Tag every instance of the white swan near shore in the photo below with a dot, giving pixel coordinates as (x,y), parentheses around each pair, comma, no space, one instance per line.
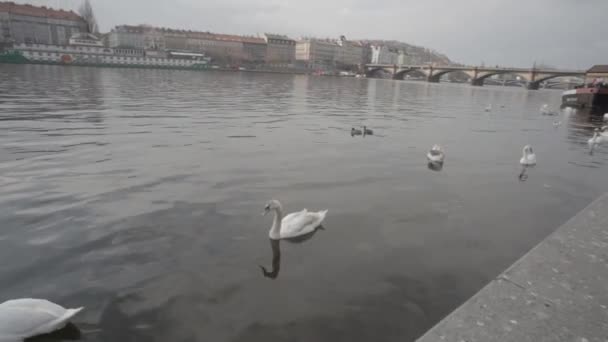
(27,317)
(595,140)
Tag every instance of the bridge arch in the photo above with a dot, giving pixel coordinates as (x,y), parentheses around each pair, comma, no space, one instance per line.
(400,75)
(436,77)
(536,83)
(490,74)
(374,71)
(481,78)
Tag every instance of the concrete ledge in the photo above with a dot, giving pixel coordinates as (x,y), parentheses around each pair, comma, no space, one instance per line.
(556,292)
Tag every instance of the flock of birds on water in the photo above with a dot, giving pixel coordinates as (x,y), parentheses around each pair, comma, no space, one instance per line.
(24,318)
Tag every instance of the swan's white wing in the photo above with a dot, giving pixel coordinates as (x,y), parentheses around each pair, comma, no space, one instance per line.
(300,223)
(434,157)
(292,216)
(296,224)
(528,160)
(19,323)
(525,161)
(24,318)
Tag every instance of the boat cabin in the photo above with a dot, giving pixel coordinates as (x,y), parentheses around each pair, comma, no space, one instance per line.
(597,75)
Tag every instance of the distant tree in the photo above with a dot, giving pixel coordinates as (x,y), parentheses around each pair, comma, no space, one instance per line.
(86,11)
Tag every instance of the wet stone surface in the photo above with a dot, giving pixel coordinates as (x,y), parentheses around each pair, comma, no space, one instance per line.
(556,292)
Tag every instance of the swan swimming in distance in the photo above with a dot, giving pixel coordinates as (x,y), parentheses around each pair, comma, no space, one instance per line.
(436,155)
(528,158)
(595,140)
(294,224)
(489,108)
(27,317)
(544,109)
(527,161)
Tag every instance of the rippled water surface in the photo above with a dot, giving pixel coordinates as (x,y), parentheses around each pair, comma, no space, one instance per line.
(138,193)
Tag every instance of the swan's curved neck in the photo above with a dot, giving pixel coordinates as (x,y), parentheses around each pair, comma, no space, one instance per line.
(275,231)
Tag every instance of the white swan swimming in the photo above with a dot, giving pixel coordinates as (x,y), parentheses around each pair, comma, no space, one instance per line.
(595,140)
(545,110)
(604,132)
(528,158)
(367,131)
(354,131)
(294,224)
(27,317)
(489,108)
(435,155)
(557,124)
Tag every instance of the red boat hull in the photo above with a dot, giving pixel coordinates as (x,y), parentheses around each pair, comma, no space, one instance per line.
(592,99)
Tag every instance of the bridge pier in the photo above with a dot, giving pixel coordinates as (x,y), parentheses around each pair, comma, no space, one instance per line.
(478,82)
(533,86)
(432,79)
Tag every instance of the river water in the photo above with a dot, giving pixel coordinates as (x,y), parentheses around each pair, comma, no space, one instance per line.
(138,193)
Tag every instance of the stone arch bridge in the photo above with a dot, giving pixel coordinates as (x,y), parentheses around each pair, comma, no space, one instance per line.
(534,77)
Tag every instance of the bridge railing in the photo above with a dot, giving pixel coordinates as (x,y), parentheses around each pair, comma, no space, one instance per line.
(472,68)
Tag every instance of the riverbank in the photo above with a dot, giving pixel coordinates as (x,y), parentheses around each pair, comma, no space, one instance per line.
(556,292)
(14,60)
(135,66)
(108,58)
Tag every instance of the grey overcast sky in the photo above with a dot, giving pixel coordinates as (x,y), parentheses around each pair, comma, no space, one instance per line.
(562,33)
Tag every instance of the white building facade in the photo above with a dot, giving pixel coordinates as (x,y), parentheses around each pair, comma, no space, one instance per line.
(381,54)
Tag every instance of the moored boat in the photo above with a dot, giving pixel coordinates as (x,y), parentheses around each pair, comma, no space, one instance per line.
(591,97)
(86,50)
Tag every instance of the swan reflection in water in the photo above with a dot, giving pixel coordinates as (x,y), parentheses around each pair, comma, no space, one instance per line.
(523,175)
(275,245)
(435,166)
